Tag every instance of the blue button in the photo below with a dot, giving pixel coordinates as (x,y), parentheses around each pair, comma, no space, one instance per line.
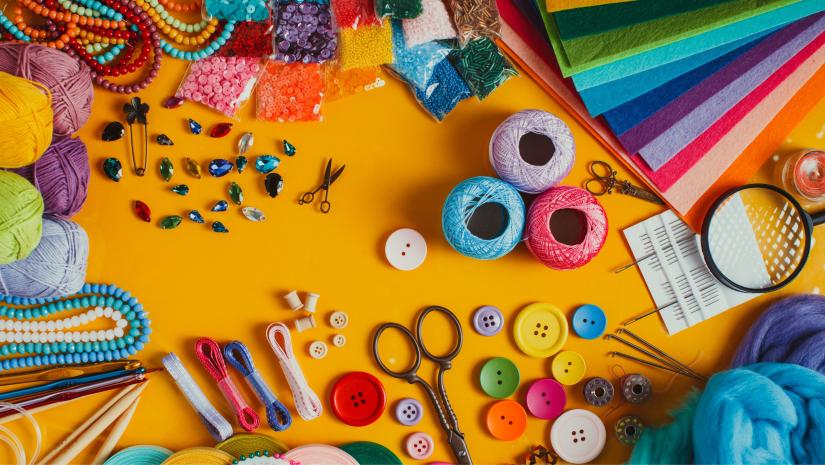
(589,321)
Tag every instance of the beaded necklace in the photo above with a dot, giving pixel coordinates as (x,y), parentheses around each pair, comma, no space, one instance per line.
(29,329)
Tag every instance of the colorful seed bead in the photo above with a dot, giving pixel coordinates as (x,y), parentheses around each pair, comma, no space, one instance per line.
(304,33)
(250,39)
(398,9)
(475,18)
(355,13)
(444,90)
(366,46)
(339,83)
(237,10)
(221,83)
(483,66)
(416,64)
(434,23)
(290,92)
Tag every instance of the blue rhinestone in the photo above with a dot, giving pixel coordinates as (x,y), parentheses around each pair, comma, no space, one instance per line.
(180,189)
(266,163)
(218,227)
(220,167)
(241,162)
(196,216)
(195,127)
(221,206)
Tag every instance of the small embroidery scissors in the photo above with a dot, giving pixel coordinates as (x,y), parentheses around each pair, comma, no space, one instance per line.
(605,176)
(439,400)
(329,178)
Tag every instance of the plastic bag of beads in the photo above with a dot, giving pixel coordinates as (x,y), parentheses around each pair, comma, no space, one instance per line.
(483,66)
(366,46)
(398,9)
(249,39)
(237,10)
(224,84)
(475,18)
(443,91)
(304,32)
(290,92)
(434,23)
(354,13)
(339,83)
(416,64)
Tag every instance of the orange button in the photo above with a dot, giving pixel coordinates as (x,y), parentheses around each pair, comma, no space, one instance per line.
(506,420)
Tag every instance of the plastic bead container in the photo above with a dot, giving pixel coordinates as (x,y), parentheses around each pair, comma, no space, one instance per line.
(443,91)
(221,83)
(339,83)
(366,46)
(434,23)
(290,92)
(483,66)
(416,64)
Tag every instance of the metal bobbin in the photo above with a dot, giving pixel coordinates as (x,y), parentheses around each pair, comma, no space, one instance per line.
(598,392)
(629,429)
(636,388)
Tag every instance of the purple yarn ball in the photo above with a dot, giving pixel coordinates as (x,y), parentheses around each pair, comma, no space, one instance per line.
(791,330)
(62,176)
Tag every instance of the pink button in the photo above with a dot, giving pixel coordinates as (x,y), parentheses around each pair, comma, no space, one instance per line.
(420,446)
(546,398)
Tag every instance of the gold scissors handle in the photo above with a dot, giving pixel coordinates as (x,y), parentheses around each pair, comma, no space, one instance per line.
(605,177)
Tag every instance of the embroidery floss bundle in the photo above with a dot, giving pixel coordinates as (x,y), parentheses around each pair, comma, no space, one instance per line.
(566,227)
(532,150)
(57,266)
(27,120)
(68,80)
(483,218)
(62,176)
(21,221)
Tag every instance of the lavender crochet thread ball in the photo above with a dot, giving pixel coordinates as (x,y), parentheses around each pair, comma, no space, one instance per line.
(62,176)
(69,81)
(791,330)
(57,266)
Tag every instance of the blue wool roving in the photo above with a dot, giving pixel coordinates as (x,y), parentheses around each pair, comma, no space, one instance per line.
(488,197)
(764,413)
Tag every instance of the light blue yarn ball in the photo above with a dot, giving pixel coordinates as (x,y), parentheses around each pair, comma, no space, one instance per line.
(465,200)
(139,455)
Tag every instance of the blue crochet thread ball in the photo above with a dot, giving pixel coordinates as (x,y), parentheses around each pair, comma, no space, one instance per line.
(483,218)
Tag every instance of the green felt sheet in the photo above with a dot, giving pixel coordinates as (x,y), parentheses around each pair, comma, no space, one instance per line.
(595,20)
(600,49)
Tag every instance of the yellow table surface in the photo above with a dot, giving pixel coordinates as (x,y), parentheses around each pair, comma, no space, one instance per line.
(400,167)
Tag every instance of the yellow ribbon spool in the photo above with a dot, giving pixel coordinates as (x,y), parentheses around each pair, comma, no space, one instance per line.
(200,456)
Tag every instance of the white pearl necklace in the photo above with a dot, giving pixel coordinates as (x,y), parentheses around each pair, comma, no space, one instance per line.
(56,330)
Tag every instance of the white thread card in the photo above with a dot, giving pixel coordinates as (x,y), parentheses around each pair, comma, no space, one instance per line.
(675,273)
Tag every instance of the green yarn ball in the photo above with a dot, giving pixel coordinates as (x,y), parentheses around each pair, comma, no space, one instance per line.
(21,217)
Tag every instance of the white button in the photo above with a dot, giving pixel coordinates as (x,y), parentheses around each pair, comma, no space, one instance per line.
(406,249)
(338,320)
(578,436)
(339,340)
(318,350)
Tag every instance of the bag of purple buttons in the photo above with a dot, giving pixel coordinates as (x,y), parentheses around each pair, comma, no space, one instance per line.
(224,84)
(304,32)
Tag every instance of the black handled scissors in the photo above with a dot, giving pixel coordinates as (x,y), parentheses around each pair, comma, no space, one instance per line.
(446,415)
(329,178)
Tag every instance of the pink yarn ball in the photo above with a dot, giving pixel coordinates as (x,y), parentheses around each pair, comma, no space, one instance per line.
(566,227)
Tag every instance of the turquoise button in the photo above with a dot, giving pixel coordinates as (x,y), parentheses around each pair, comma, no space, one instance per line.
(589,321)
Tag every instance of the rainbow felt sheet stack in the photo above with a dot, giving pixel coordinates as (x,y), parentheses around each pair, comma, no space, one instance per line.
(692,95)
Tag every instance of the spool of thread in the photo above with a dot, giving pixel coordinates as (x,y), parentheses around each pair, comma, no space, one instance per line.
(566,227)
(305,323)
(26,119)
(803,173)
(62,176)
(532,150)
(57,267)
(21,217)
(293,300)
(483,218)
(69,81)
(312,301)
(139,455)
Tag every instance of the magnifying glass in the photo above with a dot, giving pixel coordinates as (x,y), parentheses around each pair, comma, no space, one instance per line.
(757,238)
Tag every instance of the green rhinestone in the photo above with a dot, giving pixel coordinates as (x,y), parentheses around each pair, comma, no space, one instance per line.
(113,169)
(167,169)
(236,193)
(180,189)
(170,222)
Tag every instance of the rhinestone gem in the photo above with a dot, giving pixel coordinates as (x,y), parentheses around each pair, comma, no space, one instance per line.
(166,169)
(113,131)
(245,143)
(289,149)
(253,214)
(180,189)
(196,216)
(193,167)
(113,169)
(236,193)
(220,167)
(163,139)
(220,206)
(170,222)
(273,183)
(266,163)
(142,211)
(195,127)
(172,102)
(220,130)
(218,227)
(241,162)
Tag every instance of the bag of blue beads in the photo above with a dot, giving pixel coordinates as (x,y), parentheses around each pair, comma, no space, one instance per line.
(416,64)
(237,10)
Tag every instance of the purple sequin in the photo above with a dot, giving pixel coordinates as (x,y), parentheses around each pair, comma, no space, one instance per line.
(304,33)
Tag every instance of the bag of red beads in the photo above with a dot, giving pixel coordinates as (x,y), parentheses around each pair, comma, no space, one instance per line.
(354,13)
(224,84)
(249,39)
(290,92)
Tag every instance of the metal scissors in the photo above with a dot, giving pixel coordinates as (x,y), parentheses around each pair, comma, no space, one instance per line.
(605,176)
(329,178)
(439,400)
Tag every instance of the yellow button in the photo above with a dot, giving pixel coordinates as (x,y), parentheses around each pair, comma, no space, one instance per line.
(568,367)
(540,330)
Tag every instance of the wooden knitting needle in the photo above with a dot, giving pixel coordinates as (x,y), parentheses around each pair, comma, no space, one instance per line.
(115,434)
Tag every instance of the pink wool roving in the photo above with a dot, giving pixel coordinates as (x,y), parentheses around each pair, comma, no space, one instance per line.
(434,23)
(566,227)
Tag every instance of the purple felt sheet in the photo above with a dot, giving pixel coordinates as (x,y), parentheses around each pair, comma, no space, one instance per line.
(665,133)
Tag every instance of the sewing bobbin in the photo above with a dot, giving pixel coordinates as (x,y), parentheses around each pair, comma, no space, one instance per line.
(312,301)
(305,323)
(636,388)
(598,392)
(629,429)
(293,300)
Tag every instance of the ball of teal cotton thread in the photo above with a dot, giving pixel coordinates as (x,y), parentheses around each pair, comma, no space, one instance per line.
(139,455)
(465,200)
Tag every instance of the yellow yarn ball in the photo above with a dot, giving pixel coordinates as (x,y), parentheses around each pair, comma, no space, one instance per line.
(27,121)
(21,217)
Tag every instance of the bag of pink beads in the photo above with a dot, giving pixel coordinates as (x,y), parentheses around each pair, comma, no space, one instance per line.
(224,84)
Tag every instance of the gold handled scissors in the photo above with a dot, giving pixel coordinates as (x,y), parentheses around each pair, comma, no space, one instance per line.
(604,177)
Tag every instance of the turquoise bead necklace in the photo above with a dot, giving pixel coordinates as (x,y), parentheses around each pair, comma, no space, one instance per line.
(29,328)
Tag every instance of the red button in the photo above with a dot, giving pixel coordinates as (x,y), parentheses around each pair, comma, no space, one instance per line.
(358,398)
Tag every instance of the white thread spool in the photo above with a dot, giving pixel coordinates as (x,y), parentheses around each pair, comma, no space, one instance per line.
(312,301)
(305,323)
(293,300)
(532,150)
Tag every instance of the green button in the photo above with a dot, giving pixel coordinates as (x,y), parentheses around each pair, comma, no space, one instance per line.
(499,377)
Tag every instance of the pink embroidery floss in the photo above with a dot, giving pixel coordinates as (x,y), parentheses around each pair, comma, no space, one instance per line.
(566,227)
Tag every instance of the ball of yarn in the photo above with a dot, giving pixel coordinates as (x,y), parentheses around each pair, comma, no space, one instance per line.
(26,119)
(68,79)
(483,218)
(21,212)
(791,330)
(62,176)
(57,266)
(532,150)
(566,227)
